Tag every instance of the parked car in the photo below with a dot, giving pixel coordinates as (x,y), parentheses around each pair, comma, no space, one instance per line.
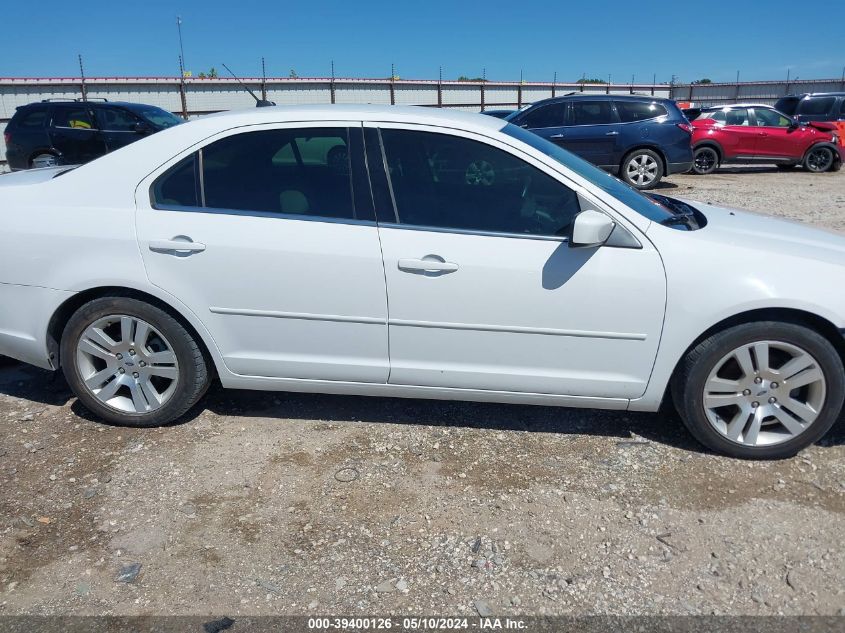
(640,138)
(411,252)
(499,114)
(819,106)
(749,133)
(51,133)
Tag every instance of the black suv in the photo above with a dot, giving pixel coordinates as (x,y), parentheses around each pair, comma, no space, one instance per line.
(818,106)
(72,132)
(640,138)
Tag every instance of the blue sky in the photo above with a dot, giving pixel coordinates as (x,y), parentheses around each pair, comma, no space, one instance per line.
(760,38)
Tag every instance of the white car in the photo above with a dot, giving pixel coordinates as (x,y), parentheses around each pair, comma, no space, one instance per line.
(413,252)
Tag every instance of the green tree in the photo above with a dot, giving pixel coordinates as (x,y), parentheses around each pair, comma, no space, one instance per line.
(293,74)
(705,80)
(593,80)
(473,79)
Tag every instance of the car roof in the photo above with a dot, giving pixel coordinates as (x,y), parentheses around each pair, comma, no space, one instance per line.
(344,112)
(601,97)
(739,105)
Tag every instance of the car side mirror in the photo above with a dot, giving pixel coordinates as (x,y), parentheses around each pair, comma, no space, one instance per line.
(590,229)
(795,124)
(142,128)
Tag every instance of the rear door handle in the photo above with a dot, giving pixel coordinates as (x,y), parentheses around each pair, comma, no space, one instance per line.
(556,136)
(612,134)
(427,265)
(176,245)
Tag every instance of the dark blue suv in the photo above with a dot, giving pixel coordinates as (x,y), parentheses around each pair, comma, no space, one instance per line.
(639,138)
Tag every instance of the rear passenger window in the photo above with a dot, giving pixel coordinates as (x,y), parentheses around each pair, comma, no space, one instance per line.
(74,117)
(178,186)
(291,172)
(816,105)
(630,111)
(32,120)
(591,113)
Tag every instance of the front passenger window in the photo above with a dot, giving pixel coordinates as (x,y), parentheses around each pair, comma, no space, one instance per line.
(447,181)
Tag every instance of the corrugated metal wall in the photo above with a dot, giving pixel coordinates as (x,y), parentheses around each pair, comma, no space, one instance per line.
(202,96)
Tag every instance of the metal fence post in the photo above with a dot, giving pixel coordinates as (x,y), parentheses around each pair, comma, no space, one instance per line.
(440,88)
(331,85)
(554,85)
(392,80)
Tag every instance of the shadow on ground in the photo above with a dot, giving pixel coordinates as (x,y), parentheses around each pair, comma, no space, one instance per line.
(39,386)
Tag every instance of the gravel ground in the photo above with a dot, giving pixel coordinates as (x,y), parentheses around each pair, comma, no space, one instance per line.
(266,503)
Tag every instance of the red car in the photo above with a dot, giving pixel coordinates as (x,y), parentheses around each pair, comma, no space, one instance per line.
(753,133)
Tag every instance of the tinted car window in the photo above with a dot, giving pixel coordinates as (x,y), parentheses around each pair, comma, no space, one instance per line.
(451,182)
(816,105)
(116,120)
(157,116)
(74,117)
(297,172)
(630,111)
(551,115)
(842,107)
(591,112)
(736,116)
(178,186)
(787,105)
(770,118)
(32,119)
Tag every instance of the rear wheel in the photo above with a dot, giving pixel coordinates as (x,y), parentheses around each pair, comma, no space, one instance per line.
(44,160)
(642,168)
(819,159)
(705,160)
(131,363)
(760,390)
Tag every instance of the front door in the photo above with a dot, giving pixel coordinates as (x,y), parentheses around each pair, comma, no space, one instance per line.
(484,291)
(119,127)
(270,240)
(777,137)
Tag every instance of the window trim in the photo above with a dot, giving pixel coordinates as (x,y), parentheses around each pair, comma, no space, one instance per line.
(197,150)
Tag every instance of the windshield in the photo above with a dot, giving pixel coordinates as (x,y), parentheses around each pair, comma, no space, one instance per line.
(157,116)
(626,194)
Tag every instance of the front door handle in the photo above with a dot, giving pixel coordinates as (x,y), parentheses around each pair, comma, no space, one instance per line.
(556,136)
(612,134)
(179,244)
(427,265)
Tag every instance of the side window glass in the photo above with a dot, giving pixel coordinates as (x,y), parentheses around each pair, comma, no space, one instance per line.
(770,118)
(815,106)
(178,186)
(591,112)
(291,171)
(736,116)
(630,111)
(447,181)
(74,117)
(116,120)
(552,115)
(842,107)
(33,119)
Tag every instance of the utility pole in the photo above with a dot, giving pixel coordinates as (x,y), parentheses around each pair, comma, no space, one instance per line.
(440,88)
(181,49)
(263,81)
(483,81)
(392,88)
(82,78)
(554,85)
(331,85)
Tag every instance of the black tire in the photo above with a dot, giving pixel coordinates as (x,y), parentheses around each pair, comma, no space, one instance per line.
(705,160)
(652,158)
(819,159)
(193,374)
(693,371)
(40,157)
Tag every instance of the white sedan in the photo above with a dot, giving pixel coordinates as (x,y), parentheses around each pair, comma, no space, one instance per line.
(419,253)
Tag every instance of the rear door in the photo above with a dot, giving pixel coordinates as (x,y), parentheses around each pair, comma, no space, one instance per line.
(777,137)
(738,137)
(117,126)
(75,134)
(592,131)
(264,236)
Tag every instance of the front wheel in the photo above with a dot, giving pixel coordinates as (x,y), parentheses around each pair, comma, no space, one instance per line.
(705,161)
(131,363)
(819,159)
(642,168)
(760,390)
(44,160)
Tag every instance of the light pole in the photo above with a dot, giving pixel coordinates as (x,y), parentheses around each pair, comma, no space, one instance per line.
(181,49)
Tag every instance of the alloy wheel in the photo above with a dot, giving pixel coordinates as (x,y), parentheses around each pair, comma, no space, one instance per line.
(764,393)
(819,159)
(45,160)
(642,170)
(127,364)
(705,160)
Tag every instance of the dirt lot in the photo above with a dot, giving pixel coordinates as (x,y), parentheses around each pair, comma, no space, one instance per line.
(267,503)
